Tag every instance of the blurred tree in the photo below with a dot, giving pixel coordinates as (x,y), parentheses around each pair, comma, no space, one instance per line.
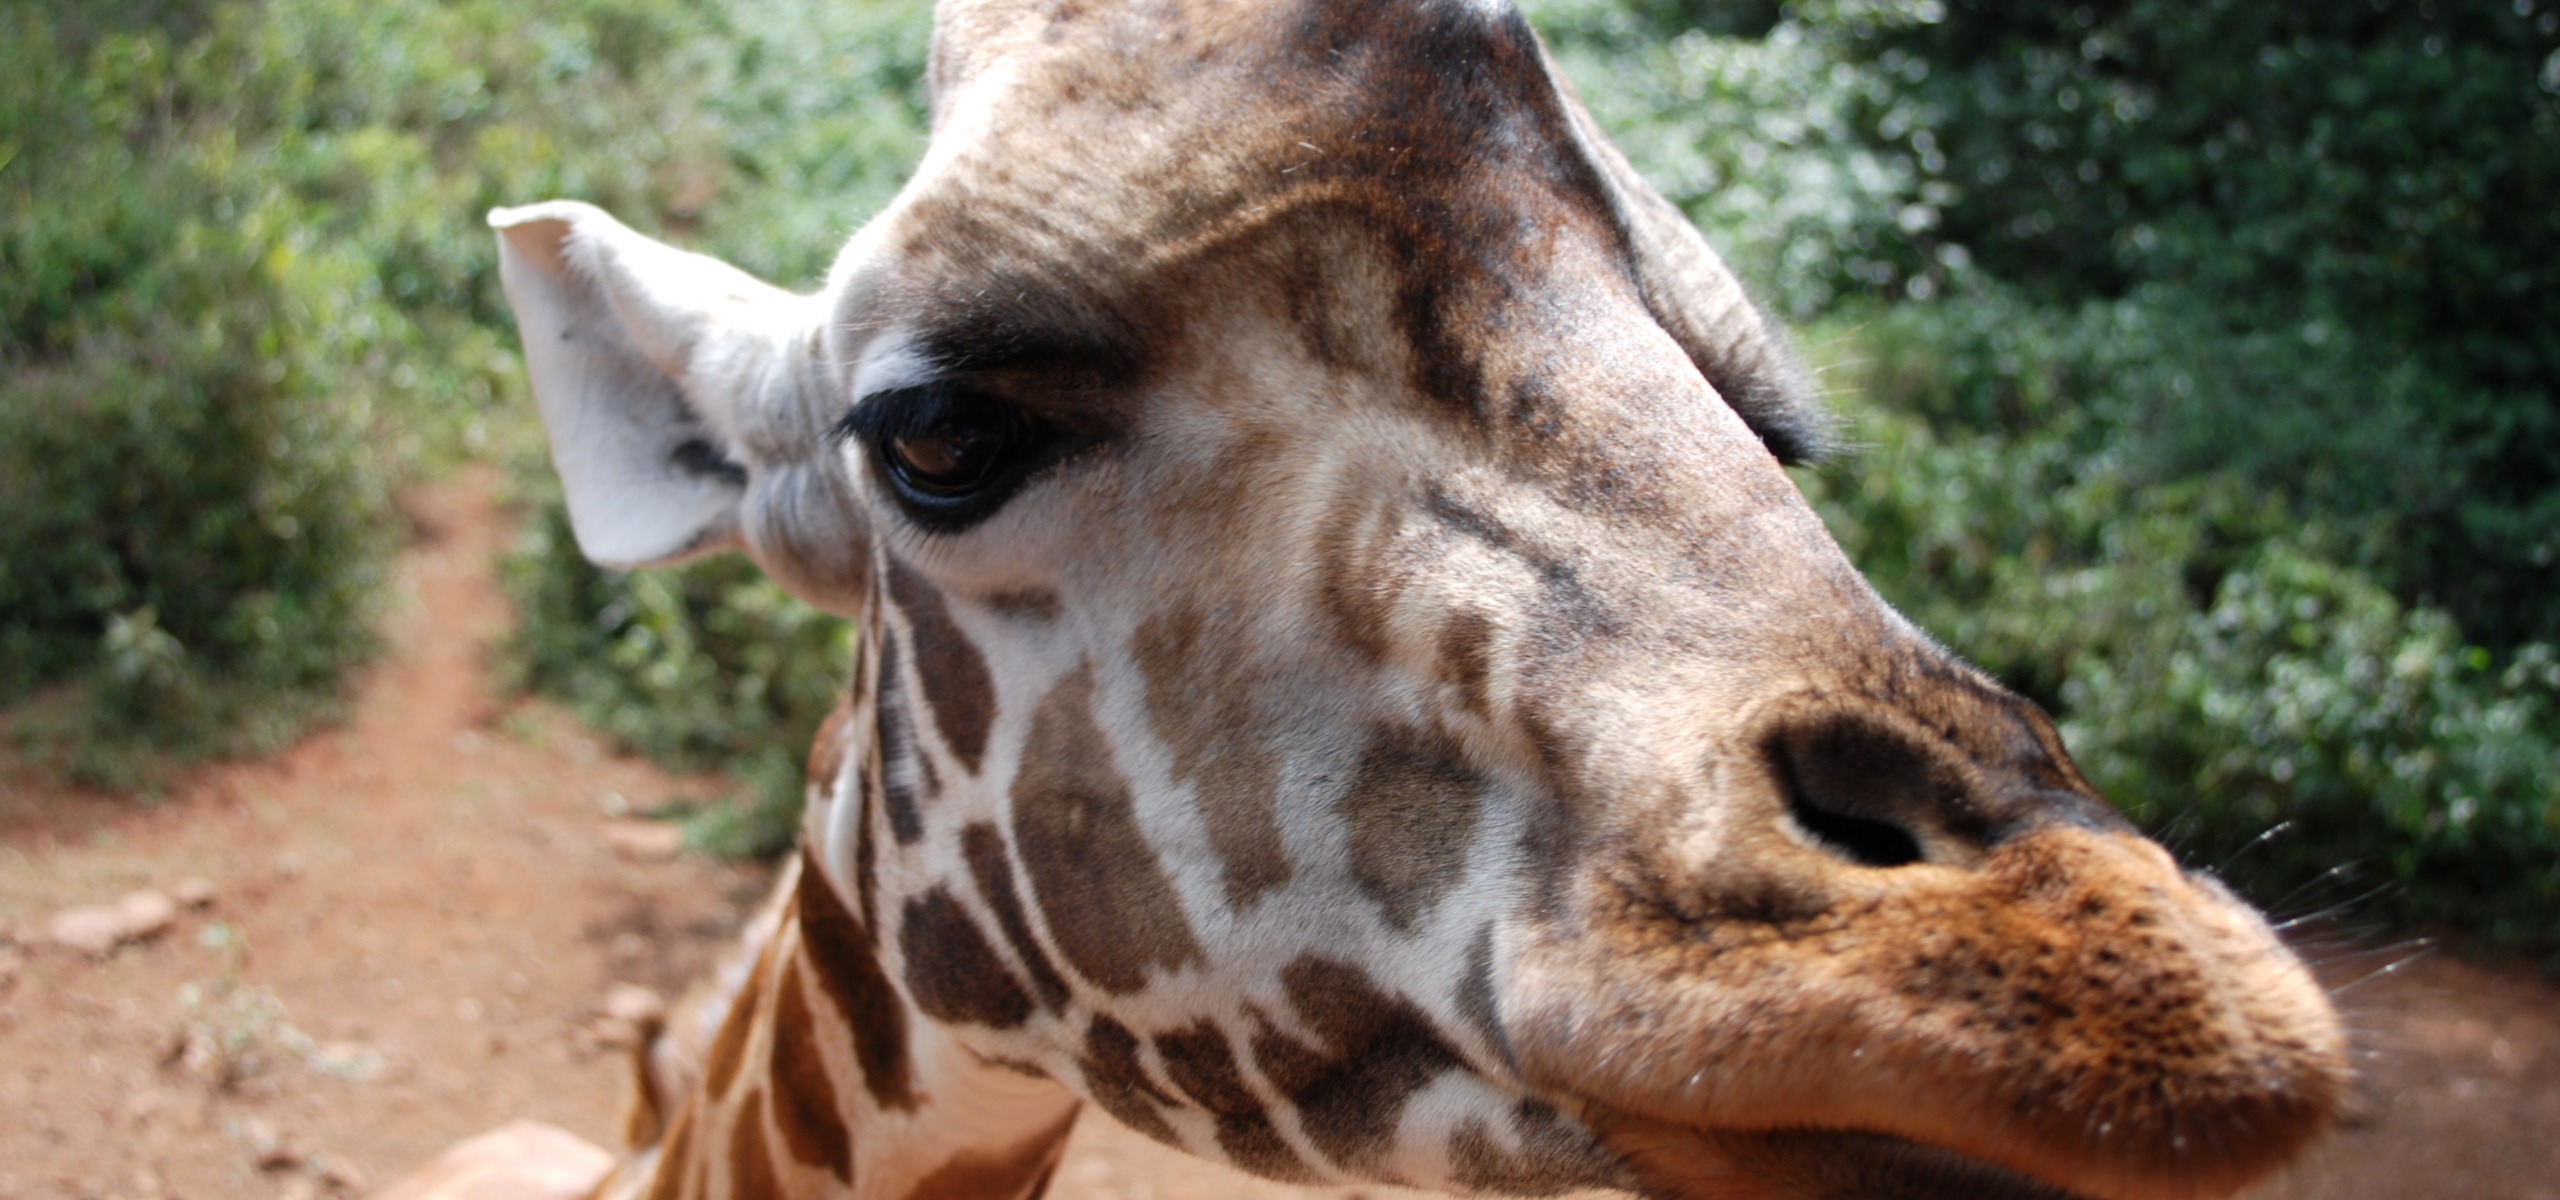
(2380,179)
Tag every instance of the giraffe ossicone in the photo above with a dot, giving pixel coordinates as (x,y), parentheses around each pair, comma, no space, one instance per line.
(1346,685)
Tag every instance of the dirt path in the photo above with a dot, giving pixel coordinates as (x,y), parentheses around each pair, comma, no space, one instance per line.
(416,919)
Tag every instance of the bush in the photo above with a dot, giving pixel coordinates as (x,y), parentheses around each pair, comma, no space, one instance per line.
(243,288)
(2380,181)
(704,666)
(189,527)
(819,113)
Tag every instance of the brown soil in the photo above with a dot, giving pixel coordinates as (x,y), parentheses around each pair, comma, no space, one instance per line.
(416,918)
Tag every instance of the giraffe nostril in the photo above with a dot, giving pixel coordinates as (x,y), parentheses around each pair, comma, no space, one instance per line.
(1865,840)
(1858,789)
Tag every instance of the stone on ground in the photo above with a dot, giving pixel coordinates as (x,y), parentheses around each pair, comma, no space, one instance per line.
(521,1160)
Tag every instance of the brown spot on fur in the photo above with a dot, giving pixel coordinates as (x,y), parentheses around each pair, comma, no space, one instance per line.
(984,848)
(866,854)
(1200,710)
(1412,813)
(675,1158)
(1027,604)
(1344,578)
(956,681)
(1017,1172)
(952,972)
(1110,905)
(804,1098)
(1326,273)
(837,946)
(1553,1156)
(1466,660)
(1377,1051)
(1202,1062)
(729,1046)
(1117,1081)
(751,1171)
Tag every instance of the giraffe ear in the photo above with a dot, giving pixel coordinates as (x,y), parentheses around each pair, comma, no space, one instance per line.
(654,369)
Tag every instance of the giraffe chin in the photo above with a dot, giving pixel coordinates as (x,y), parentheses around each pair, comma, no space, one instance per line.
(1672,1163)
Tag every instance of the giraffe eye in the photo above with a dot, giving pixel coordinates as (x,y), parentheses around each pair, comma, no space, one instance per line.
(952,458)
(951,455)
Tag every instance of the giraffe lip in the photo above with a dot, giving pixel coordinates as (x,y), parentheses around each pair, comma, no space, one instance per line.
(1829,1164)
(1890,1166)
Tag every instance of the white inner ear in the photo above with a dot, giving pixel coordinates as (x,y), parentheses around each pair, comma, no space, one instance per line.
(613,327)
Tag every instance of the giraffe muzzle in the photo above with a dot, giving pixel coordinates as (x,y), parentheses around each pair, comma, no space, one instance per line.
(2070,1016)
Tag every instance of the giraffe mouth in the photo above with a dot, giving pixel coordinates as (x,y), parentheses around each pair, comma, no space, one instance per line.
(1816,1164)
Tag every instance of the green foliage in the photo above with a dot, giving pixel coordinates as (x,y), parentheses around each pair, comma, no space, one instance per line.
(241,288)
(707,665)
(185,526)
(818,110)
(243,284)
(2380,180)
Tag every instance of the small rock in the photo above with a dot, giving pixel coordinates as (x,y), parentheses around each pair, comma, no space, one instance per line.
(299,1187)
(342,1176)
(143,1105)
(145,915)
(268,1145)
(92,930)
(97,929)
(643,841)
(634,1003)
(11,964)
(195,891)
(352,1061)
(537,1161)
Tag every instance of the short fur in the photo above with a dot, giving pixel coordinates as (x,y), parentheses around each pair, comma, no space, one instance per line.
(1407,728)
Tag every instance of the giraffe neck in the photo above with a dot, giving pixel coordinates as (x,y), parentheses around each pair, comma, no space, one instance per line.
(757,1091)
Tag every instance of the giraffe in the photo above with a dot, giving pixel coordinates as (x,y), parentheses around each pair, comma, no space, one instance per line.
(1346,685)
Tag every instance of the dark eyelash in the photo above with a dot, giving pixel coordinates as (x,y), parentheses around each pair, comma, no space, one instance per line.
(903,412)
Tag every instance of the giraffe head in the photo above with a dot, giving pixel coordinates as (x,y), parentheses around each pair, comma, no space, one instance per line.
(1348,684)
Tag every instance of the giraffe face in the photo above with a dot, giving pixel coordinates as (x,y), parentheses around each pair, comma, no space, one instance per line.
(1349,686)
